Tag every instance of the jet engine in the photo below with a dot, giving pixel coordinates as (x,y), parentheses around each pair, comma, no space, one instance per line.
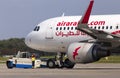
(86,52)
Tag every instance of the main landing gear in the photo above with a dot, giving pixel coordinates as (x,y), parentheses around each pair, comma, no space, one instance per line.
(60,61)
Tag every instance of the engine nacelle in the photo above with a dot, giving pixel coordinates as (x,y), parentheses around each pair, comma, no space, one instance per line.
(86,52)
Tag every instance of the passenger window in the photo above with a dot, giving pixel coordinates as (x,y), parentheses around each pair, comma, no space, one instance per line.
(64,28)
(60,28)
(117,27)
(68,28)
(95,27)
(99,27)
(102,27)
(75,28)
(110,27)
(71,28)
(57,28)
(106,27)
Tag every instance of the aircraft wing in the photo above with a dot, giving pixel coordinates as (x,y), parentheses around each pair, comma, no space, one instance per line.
(99,35)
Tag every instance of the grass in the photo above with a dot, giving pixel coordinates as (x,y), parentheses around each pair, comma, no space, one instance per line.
(3,59)
(110,59)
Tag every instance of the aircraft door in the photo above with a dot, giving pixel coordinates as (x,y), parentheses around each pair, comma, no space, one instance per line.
(49,33)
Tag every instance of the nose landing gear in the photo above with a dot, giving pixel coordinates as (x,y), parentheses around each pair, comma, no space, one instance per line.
(60,61)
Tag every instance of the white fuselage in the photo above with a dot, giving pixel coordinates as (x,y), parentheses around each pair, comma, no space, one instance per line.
(56,34)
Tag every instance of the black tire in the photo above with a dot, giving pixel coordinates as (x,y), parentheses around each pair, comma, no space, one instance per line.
(9,64)
(51,63)
(69,64)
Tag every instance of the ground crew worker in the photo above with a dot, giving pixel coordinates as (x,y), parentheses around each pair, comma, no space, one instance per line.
(33,60)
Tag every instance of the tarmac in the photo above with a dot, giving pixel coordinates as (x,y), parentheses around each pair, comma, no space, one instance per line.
(93,70)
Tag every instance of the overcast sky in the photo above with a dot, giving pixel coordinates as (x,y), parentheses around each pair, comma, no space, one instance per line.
(19,17)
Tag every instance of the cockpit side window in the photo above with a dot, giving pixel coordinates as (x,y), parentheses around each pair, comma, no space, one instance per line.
(37,28)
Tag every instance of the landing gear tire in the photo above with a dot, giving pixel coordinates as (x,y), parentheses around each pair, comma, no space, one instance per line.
(9,64)
(51,63)
(69,64)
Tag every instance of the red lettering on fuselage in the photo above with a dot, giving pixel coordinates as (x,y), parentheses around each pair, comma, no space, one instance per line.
(63,23)
(95,23)
(69,33)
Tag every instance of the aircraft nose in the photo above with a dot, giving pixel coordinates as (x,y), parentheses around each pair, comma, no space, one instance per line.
(33,39)
(28,40)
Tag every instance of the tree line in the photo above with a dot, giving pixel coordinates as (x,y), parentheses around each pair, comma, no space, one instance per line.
(13,45)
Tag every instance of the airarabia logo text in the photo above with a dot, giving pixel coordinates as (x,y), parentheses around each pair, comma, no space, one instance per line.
(92,23)
(63,23)
(97,23)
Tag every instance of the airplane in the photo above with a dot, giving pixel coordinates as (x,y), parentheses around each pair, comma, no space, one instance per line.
(83,39)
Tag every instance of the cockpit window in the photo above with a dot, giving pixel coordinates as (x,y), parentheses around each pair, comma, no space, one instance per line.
(36,28)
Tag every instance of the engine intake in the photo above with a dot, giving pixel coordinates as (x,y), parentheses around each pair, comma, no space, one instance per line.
(86,52)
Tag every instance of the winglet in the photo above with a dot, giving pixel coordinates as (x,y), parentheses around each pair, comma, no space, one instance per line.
(85,17)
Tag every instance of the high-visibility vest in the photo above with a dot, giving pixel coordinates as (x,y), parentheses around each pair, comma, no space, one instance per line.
(33,58)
